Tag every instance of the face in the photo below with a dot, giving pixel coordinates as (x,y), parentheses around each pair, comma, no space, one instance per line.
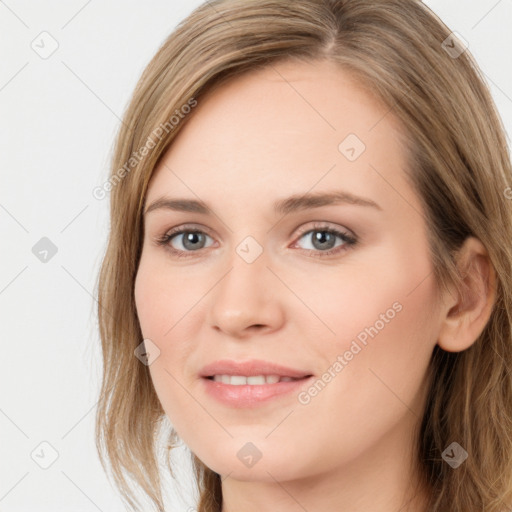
(337,287)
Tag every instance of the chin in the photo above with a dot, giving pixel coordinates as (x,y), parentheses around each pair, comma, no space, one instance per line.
(268,465)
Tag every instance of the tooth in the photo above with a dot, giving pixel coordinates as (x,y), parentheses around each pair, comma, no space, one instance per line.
(257,379)
(238,380)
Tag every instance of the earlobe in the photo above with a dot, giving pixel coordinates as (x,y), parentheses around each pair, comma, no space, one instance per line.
(466,316)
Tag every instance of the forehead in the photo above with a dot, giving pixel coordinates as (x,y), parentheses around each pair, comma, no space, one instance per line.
(291,127)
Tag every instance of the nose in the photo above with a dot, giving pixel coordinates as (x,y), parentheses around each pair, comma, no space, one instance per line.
(247,299)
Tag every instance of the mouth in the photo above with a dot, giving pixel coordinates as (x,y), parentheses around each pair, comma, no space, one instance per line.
(251,383)
(251,370)
(253,380)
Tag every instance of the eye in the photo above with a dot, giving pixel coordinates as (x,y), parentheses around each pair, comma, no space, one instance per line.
(323,240)
(183,241)
(186,240)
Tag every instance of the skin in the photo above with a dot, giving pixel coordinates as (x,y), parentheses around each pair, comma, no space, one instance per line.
(262,137)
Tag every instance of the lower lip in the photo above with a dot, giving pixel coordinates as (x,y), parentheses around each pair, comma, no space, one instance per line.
(247,395)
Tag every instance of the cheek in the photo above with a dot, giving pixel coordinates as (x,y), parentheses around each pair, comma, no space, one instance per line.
(162,297)
(367,303)
(377,369)
(385,331)
(384,347)
(147,295)
(387,300)
(167,316)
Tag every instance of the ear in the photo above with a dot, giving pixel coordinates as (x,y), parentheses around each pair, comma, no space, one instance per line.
(465,317)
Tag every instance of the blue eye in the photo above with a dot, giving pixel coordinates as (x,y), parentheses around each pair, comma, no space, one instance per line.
(324,238)
(192,240)
(323,241)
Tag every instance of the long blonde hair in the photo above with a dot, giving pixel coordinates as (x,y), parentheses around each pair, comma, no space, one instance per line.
(399,51)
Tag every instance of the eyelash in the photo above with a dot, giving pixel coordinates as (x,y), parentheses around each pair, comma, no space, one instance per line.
(349,241)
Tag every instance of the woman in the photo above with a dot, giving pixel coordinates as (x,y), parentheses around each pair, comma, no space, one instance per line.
(340,337)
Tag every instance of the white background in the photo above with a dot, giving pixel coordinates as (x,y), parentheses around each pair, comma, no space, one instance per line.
(58,119)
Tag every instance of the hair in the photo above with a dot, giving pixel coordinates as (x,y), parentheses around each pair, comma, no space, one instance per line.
(459,166)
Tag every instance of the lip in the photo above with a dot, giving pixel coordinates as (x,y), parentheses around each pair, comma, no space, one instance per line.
(250,368)
(244,396)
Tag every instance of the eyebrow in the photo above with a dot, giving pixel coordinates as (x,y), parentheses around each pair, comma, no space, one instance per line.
(282,206)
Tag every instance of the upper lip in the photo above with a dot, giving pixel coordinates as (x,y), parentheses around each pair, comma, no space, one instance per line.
(250,368)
